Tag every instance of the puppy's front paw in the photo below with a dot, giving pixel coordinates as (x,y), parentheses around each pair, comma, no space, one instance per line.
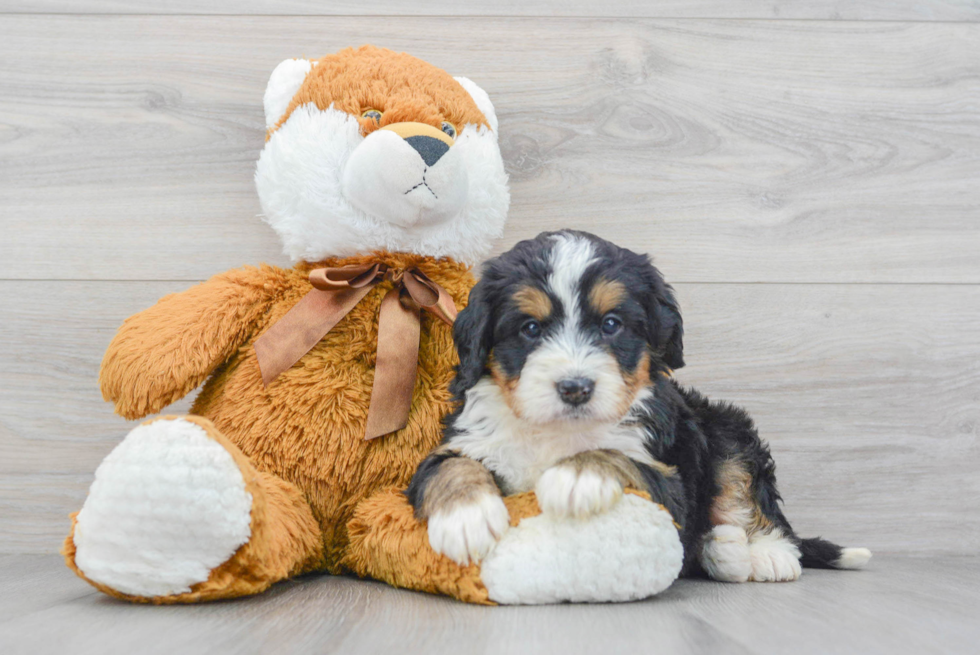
(467,532)
(564,491)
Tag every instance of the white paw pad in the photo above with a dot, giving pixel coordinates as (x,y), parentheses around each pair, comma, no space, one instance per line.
(466,533)
(564,492)
(725,555)
(168,505)
(774,559)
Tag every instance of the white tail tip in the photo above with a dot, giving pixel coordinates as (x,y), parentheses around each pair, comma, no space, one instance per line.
(853,558)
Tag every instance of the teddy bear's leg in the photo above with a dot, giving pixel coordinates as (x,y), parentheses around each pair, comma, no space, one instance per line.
(629,552)
(178,514)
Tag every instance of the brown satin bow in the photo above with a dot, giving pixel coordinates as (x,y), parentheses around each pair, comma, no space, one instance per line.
(336,291)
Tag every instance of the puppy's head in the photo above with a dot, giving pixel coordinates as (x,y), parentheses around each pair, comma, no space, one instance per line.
(570,327)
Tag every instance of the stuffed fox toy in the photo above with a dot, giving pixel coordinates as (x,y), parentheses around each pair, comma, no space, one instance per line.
(324,384)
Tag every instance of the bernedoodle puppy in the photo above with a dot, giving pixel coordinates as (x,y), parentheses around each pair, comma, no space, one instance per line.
(564,387)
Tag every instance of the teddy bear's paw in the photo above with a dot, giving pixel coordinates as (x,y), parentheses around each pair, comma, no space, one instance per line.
(630,552)
(468,532)
(168,505)
(774,558)
(564,492)
(725,555)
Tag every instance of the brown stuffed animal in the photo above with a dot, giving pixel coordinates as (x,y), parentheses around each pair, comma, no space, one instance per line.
(380,173)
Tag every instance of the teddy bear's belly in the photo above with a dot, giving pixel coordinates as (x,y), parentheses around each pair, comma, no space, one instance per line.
(308,426)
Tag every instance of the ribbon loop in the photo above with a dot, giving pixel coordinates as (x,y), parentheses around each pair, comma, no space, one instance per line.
(335,293)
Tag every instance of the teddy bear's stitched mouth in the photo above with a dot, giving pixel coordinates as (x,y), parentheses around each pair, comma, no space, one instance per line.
(425,184)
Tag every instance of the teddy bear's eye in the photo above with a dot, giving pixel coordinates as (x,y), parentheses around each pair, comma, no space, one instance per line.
(373,114)
(449,129)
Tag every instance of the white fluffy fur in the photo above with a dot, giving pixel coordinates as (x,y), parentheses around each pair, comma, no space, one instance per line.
(519,451)
(385,176)
(729,555)
(566,493)
(467,532)
(326,197)
(774,558)
(284,82)
(569,259)
(631,552)
(725,554)
(853,558)
(168,505)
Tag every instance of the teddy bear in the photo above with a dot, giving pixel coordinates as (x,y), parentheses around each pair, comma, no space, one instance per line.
(324,385)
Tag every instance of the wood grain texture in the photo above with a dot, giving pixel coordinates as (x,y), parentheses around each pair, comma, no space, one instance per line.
(869,395)
(921,10)
(899,606)
(748,151)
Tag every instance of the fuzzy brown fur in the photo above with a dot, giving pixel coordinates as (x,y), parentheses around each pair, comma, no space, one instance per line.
(402,87)
(300,442)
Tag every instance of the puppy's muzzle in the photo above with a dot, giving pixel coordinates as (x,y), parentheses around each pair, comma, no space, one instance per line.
(575,391)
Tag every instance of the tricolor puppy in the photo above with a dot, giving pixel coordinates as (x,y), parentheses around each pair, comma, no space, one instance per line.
(564,387)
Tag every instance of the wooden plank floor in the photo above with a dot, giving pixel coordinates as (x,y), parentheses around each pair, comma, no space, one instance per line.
(807,173)
(898,606)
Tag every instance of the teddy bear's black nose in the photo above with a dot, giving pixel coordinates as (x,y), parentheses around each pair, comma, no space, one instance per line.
(430,149)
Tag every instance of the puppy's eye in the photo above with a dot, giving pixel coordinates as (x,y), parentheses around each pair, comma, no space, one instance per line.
(531,329)
(611,325)
(449,129)
(373,114)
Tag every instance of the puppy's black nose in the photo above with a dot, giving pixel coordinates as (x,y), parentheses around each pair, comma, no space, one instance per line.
(575,391)
(429,148)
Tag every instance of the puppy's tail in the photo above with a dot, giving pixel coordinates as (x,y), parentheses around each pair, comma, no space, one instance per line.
(821,554)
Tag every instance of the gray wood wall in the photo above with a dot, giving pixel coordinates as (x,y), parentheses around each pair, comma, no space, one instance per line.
(807,174)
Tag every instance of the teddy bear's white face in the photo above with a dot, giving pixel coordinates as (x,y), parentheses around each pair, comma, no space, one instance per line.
(330,191)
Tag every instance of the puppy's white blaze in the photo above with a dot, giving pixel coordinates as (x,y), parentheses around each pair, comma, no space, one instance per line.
(570,257)
(519,451)
(466,533)
(774,558)
(563,492)
(853,558)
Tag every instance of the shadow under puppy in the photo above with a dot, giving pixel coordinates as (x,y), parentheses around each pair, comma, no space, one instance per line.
(564,387)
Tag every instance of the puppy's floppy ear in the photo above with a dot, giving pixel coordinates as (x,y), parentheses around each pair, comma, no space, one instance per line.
(473,335)
(671,329)
(666,327)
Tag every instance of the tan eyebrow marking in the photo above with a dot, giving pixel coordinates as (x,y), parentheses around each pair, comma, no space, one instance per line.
(534,302)
(606,295)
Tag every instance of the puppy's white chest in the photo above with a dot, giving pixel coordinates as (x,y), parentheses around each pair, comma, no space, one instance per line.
(518,452)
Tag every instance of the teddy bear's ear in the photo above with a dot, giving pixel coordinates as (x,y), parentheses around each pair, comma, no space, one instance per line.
(283,85)
(481,98)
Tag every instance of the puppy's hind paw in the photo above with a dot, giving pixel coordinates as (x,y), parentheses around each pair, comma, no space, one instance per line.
(725,555)
(774,559)
(467,532)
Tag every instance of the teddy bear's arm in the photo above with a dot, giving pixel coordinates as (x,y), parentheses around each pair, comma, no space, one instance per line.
(162,353)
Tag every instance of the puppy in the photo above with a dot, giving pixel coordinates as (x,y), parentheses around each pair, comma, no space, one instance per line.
(564,387)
